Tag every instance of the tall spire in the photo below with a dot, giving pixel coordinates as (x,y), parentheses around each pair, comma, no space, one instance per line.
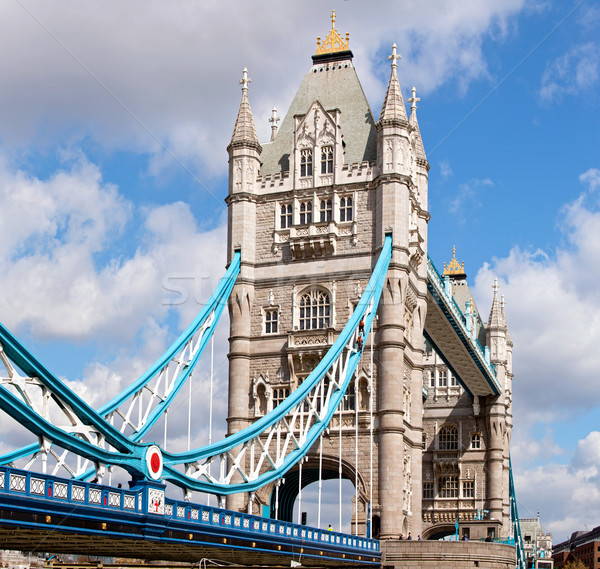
(393,111)
(496,319)
(412,121)
(244,131)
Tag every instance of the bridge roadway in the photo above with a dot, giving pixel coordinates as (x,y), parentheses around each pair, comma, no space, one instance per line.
(41,513)
(451,333)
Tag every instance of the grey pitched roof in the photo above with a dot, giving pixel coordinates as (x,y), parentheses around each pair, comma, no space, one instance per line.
(393,110)
(244,131)
(336,86)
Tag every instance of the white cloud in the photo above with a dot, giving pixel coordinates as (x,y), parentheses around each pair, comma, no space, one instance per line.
(167,74)
(571,73)
(553,308)
(553,311)
(567,495)
(51,235)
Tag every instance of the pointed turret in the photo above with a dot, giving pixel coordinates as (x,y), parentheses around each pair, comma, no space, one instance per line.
(244,131)
(393,112)
(496,330)
(412,121)
(496,319)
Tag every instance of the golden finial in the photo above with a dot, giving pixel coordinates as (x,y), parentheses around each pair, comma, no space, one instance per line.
(333,42)
(453,268)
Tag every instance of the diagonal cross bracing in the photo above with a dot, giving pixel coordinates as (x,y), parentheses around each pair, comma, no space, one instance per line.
(446,328)
(284,436)
(53,412)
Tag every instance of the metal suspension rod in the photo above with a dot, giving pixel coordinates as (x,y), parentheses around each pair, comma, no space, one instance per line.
(371,437)
(320,479)
(356,451)
(300,492)
(340,467)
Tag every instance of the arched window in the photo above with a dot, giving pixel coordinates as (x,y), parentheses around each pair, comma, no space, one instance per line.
(349,398)
(279,395)
(326,210)
(315,310)
(306,162)
(327,160)
(448,438)
(305,213)
(286,216)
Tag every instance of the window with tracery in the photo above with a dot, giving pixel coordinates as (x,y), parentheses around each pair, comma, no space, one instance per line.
(349,399)
(305,213)
(346,209)
(428,490)
(443,378)
(326,210)
(468,489)
(279,395)
(448,438)
(306,162)
(271,321)
(476,440)
(286,216)
(327,160)
(448,487)
(315,310)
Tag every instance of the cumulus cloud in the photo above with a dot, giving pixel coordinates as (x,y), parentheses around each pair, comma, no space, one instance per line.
(51,235)
(553,305)
(553,308)
(65,282)
(572,73)
(567,494)
(166,76)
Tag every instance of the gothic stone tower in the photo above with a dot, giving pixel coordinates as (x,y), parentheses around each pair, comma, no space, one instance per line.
(465,438)
(309,211)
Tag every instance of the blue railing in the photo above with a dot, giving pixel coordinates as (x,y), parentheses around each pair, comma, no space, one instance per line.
(38,487)
(460,320)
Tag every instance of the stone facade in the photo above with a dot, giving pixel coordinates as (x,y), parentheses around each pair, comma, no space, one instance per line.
(464,478)
(309,212)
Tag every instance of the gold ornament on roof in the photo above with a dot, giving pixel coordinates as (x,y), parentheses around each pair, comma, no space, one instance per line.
(333,42)
(454,268)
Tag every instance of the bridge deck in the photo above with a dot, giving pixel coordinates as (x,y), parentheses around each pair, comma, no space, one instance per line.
(50,514)
(446,328)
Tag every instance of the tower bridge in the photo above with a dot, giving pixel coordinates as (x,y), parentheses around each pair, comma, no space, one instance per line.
(350,356)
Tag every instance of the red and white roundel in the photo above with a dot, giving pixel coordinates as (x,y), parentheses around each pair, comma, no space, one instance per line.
(154,462)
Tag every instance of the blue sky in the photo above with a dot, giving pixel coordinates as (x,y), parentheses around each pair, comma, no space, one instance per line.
(113,169)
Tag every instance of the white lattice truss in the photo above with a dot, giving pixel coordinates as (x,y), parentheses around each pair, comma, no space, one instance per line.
(273,450)
(132,413)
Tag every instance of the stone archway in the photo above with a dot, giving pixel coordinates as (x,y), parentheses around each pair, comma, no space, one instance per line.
(288,492)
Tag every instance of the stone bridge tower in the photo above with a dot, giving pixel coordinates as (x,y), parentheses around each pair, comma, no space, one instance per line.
(309,211)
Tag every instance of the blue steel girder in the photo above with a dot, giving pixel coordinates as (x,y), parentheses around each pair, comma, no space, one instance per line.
(268,448)
(37,399)
(446,329)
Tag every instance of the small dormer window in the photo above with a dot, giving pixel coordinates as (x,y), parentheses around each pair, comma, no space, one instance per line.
(326,210)
(346,209)
(327,160)
(306,162)
(286,216)
(305,213)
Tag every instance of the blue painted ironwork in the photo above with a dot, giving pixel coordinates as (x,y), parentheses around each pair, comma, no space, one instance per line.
(267,449)
(516,524)
(458,321)
(172,370)
(84,507)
